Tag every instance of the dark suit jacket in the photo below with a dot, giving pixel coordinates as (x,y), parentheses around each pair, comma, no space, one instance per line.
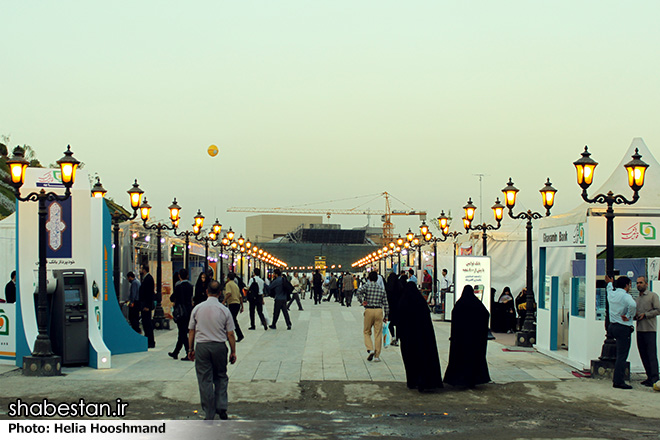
(183,293)
(10,292)
(147,294)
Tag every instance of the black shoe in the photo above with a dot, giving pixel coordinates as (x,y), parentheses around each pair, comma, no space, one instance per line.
(647,383)
(288,327)
(223,414)
(240,339)
(273,327)
(623,386)
(300,310)
(370,357)
(252,328)
(265,328)
(185,358)
(151,345)
(173,355)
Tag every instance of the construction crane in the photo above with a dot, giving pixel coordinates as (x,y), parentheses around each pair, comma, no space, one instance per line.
(386,215)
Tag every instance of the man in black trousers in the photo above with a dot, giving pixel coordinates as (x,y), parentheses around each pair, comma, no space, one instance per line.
(182,301)
(147,295)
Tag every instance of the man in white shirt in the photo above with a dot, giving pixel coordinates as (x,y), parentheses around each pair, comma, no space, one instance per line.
(622,311)
(211,326)
(295,296)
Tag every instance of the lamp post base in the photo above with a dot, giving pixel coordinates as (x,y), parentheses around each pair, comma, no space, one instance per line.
(40,366)
(160,322)
(604,369)
(525,338)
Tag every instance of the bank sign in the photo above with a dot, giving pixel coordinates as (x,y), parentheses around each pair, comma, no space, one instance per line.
(636,231)
(569,235)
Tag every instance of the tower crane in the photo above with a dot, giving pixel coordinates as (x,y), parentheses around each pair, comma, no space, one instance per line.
(386,215)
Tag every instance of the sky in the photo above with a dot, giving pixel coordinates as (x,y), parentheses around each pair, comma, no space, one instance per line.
(315,101)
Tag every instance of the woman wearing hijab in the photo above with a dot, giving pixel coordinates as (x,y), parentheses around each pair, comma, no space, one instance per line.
(393,296)
(467,365)
(200,289)
(417,338)
(507,311)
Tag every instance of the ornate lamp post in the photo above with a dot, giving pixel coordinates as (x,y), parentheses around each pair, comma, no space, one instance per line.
(159,319)
(498,211)
(196,229)
(135,194)
(585,167)
(42,361)
(527,337)
(211,237)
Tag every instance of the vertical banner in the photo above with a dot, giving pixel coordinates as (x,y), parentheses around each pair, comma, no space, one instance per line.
(58,227)
(474,271)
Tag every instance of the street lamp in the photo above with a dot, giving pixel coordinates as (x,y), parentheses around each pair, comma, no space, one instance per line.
(526,337)
(636,168)
(443,225)
(42,362)
(145,211)
(498,211)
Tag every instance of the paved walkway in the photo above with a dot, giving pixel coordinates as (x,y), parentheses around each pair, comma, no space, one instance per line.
(325,344)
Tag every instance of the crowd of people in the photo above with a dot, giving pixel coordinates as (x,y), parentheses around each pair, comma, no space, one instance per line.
(206,315)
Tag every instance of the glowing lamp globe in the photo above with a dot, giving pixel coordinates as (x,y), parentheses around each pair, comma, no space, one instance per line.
(213,150)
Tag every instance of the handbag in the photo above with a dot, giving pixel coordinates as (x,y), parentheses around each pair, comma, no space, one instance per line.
(179,312)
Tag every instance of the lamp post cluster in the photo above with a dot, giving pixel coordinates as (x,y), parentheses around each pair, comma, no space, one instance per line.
(636,171)
(42,362)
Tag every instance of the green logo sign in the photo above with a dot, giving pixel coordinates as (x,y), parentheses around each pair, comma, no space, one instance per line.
(4,323)
(647,230)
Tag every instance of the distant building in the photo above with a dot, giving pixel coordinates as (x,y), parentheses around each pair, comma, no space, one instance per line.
(267,227)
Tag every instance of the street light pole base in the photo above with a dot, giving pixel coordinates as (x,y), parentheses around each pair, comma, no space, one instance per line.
(604,369)
(41,366)
(525,338)
(159,320)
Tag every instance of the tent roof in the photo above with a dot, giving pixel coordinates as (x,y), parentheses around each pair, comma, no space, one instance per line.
(649,200)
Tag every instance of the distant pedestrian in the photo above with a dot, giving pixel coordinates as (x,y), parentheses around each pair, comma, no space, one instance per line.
(373,298)
(255,297)
(147,299)
(200,289)
(427,283)
(134,302)
(317,285)
(295,296)
(467,365)
(347,287)
(648,307)
(304,285)
(277,291)
(332,288)
(10,289)
(445,285)
(182,305)
(419,350)
(412,278)
(622,313)
(211,326)
(234,301)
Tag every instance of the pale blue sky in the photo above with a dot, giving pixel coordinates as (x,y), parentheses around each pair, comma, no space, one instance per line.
(319,100)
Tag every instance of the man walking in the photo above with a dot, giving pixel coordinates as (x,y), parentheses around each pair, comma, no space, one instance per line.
(372,296)
(182,300)
(234,301)
(211,326)
(347,287)
(278,292)
(147,288)
(134,301)
(295,296)
(648,307)
(256,298)
(317,286)
(622,312)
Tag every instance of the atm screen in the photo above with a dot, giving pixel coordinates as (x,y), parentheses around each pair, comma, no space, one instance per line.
(72,296)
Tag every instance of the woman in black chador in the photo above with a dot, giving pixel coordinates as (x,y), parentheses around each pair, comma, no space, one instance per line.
(467,365)
(417,338)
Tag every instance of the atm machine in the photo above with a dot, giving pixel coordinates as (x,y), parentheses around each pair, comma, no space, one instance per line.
(69,315)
